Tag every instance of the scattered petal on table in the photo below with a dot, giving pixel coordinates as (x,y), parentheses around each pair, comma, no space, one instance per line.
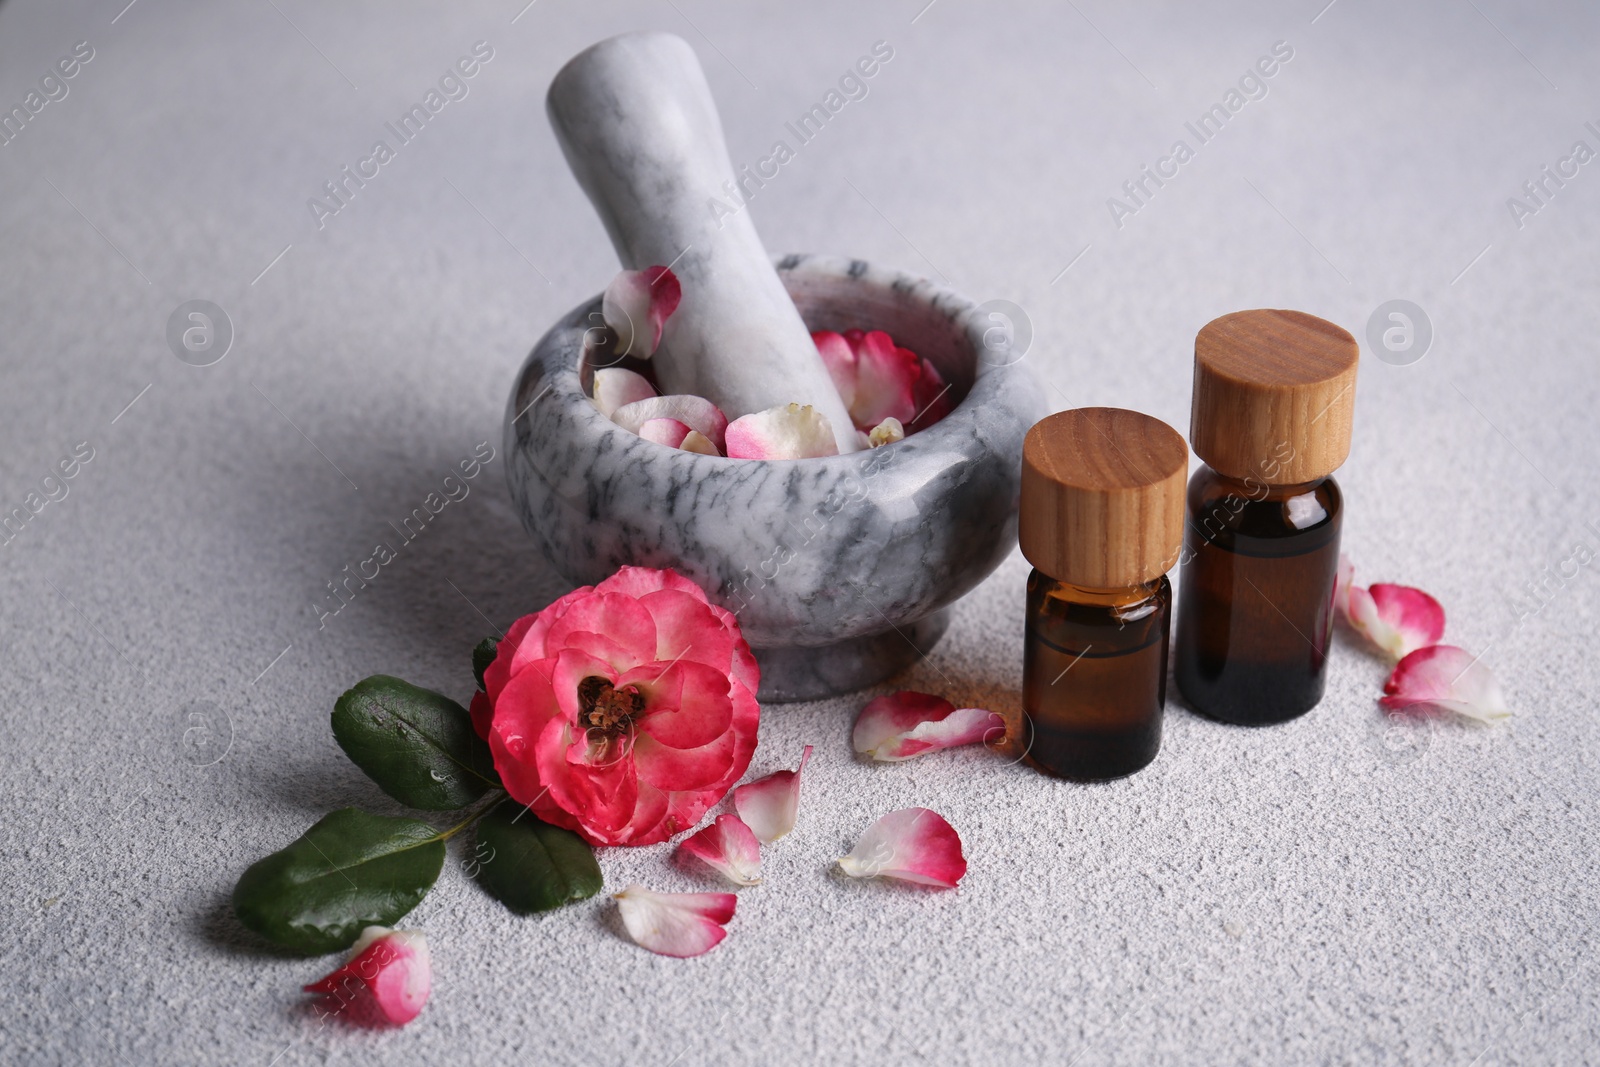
(769,805)
(1448,677)
(1396,618)
(675,924)
(730,848)
(386,981)
(901,725)
(912,845)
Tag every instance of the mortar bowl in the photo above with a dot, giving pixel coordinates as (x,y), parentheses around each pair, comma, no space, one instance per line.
(841,570)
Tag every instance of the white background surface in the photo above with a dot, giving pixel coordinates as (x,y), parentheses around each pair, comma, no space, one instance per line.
(1334,890)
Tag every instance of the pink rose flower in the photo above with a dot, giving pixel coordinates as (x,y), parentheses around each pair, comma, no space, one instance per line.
(624,710)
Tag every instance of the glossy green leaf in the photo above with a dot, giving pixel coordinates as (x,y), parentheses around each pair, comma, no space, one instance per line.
(418,745)
(529,865)
(349,871)
(482,656)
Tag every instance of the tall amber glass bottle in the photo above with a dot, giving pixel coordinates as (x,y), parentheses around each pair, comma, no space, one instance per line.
(1101,521)
(1274,393)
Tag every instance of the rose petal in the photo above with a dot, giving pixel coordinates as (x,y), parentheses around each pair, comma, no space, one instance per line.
(387,979)
(1396,618)
(675,924)
(730,848)
(614,387)
(932,398)
(695,441)
(788,431)
(886,380)
(481,711)
(886,432)
(912,845)
(769,805)
(905,724)
(839,356)
(669,432)
(686,703)
(1448,677)
(696,412)
(636,305)
(624,630)
(638,581)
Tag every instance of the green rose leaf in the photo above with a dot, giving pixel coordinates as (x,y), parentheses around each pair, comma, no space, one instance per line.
(529,865)
(349,871)
(418,745)
(482,656)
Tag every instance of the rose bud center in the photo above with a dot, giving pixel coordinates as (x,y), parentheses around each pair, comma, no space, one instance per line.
(603,707)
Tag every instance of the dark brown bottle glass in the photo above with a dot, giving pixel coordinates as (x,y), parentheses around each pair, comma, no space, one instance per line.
(1101,520)
(1094,677)
(1273,408)
(1258,572)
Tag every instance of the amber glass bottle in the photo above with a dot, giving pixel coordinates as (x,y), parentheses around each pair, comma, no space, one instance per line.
(1101,521)
(1273,403)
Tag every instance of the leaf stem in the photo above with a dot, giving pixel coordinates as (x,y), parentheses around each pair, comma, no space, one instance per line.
(495,797)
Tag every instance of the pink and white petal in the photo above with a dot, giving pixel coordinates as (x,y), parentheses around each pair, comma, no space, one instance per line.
(1447,677)
(686,770)
(638,581)
(696,412)
(684,630)
(886,380)
(675,924)
(695,441)
(769,805)
(906,724)
(839,356)
(526,641)
(614,387)
(389,973)
(1395,618)
(516,651)
(1412,618)
(669,432)
(627,629)
(911,845)
(687,704)
(728,847)
(886,432)
(788,431)
(636,305)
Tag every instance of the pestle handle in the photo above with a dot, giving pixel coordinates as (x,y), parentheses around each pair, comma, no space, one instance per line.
(635,117)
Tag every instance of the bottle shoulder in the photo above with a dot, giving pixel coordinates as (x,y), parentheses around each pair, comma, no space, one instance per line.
(1220,508)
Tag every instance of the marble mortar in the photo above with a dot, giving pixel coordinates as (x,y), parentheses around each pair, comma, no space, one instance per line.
(841,570)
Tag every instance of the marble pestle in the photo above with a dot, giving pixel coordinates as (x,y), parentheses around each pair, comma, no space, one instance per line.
(635,117)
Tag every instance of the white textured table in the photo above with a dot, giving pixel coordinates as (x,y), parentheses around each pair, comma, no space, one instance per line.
(1329,891)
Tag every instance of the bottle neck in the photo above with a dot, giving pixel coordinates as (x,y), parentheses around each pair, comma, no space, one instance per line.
(1252,487)
(1119,597)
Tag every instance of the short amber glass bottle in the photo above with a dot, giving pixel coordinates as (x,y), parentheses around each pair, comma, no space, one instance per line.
(1273,402)
(1101,521)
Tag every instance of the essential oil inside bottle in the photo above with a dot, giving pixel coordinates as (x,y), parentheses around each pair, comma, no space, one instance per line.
(1273,402)
(1101,521)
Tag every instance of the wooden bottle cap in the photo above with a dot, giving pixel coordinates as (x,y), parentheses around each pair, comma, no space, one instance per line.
(1274,395)
(1102,497)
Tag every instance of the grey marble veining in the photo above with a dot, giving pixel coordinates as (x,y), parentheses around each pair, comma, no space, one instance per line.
(838,568)
(640,130)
